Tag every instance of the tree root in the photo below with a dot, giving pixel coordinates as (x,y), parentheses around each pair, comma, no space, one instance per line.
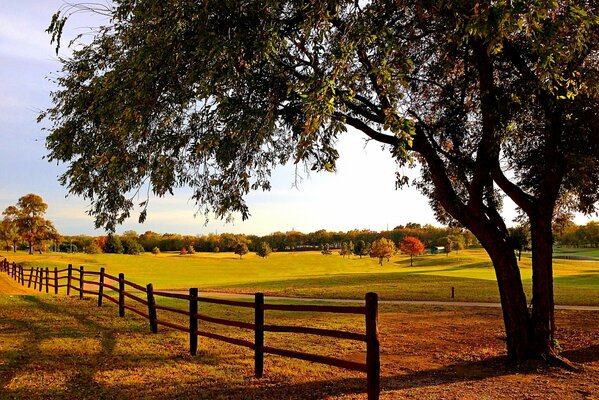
(556,360)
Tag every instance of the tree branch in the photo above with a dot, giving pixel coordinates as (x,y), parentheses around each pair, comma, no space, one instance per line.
(362,126)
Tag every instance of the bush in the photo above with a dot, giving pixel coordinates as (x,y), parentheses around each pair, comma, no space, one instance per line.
(131,246)
(183,251)
(155,251)
(93,249)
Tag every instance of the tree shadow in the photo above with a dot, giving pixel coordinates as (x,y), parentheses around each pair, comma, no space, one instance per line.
(84,383)
(583,355)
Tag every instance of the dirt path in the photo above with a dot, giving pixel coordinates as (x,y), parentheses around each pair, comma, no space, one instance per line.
(394,302)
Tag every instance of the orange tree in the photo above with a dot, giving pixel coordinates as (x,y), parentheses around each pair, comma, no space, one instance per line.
(412,246)
(492,98)
(382,248)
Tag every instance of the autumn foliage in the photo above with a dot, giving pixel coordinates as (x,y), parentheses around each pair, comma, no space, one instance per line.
(412,246)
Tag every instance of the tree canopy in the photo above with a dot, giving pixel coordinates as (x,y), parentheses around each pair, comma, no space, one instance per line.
(411,246)
(382,248)
(491,98)
(27,219)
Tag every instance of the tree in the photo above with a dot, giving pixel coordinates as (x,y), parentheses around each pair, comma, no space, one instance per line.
(469,89)
(326,249)
(130,245)
(382,248)
(9,233)
(457,243)
(263,250)
(347,249)
(113,245)
(445,242)
(411,246)
(28,217)
(93,248)
(361,248)
(241,248)
(155,251)
(520,238)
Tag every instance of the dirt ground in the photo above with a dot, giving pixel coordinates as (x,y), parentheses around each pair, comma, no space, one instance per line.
(426,353)
(460,354)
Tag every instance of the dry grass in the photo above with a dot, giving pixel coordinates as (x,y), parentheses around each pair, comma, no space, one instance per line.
(64,348)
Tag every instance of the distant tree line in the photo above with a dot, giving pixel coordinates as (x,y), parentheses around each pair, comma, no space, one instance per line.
(354,242)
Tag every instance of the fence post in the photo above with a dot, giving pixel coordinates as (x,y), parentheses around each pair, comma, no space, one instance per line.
(121,295)
(55,280)
(41,284)
(151,309)
(14,270)
(259,334)
(69,275)
(452,292)
(37,271)
(193,321)
(47,279)
(22,275)
(101,287)
(373,362)
(30,276)
(81,282)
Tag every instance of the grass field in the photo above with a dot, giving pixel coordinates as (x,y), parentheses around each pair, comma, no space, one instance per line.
(311,274)
(59,347)
(578,251)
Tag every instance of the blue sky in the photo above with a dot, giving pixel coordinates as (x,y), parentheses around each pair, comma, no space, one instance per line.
(361,194)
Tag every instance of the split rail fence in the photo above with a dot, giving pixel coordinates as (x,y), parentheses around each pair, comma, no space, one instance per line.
(44,279)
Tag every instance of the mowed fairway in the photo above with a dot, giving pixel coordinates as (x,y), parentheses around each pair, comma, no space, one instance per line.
(310,274)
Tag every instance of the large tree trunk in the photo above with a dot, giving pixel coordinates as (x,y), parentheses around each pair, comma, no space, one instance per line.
(542,320)
(511,292)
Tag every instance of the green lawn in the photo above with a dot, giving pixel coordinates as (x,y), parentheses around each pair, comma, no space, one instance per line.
(577,251)
(311,274)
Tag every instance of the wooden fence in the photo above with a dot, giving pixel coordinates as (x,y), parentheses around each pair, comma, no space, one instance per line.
(45,278)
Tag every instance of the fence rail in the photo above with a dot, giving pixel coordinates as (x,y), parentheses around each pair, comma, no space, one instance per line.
(47,278)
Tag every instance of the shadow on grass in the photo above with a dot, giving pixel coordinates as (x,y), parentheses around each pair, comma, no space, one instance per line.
(83,382)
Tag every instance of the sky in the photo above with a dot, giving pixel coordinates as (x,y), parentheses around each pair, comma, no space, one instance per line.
(359,195)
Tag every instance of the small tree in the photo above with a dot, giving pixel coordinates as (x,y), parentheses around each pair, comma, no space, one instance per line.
(446,244)
(412,246)
(326,249)
(457,243)
(131,246)
(344,249)
(155,251)
(382,248)
(240,249)
(113,245)
(216,249)
(191,250)
(361,248)
(520,237)
(183,251)
(93,248)
(263,250)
